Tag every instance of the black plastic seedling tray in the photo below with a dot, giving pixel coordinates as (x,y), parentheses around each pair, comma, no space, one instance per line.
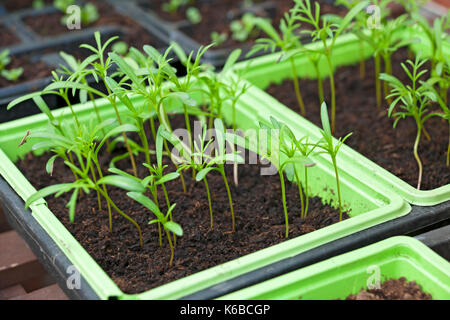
(45,49)
(413,224)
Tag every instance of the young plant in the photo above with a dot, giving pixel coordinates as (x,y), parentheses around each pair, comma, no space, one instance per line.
(168,225)
(172,6)
(440,63)
(327,33)
(193,15)
(84,142)
(218,38)
(385,42)
(208,156)
(244,28)
(279,140)
(412,100)
(297,151)
(11,74)
(235,87)
(329,146)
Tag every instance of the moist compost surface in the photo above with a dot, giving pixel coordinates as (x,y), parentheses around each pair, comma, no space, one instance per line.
(393,289)
(217,16)
(32,70)
(373,132)
(257,206)
(8,37)
(50,25)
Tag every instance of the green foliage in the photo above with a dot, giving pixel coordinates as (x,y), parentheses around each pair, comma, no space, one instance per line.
(331,147)
(12,74)
(218,38)
(172,6)
(327,32)
(244,28)
(193,15)
(412,100)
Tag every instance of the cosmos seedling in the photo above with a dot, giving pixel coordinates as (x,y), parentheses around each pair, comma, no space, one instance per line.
(329,146)
(84,143)
(244,28)
(412,101)
(326,32)
(218,38)
(11,74)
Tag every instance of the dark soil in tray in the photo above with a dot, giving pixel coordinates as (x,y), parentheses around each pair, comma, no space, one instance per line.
(50,25)
(258,211)
(217,16)
(373,133)
(32,70)
(8,37)
(15,5)
(393,289)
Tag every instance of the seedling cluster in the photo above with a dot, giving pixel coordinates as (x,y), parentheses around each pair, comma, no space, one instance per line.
(383,36)
(143,91)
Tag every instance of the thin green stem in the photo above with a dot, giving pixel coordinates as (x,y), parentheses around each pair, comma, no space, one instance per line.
(377,79)
(416,156)
(319,84)
(222,171)
(300,193)
(338,187)
(155,197)
(106,192)
(297,88)
(209,200)
(283,195)
(306,192)
(362,63)
(333,94)
(171,247)
(388,70)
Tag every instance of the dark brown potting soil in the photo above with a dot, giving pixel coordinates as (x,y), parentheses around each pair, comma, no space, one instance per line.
(373,132)
(8,37)
(393,289)
(258,211)
(32,70)
(137,36)
(217,16)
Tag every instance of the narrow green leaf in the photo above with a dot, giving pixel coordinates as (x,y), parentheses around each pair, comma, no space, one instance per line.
(174,227)
(48,191)
(122,182)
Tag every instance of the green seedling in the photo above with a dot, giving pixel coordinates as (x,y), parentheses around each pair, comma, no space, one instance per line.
(208,156)
(331,147)
(12,74)
(297,151)
(244,28)
(413,101)
(218,38)
(440,63)
(236,87)
(193,15)
(84,142)
(168,225)
(279,140)
(172,6)
(326,32)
